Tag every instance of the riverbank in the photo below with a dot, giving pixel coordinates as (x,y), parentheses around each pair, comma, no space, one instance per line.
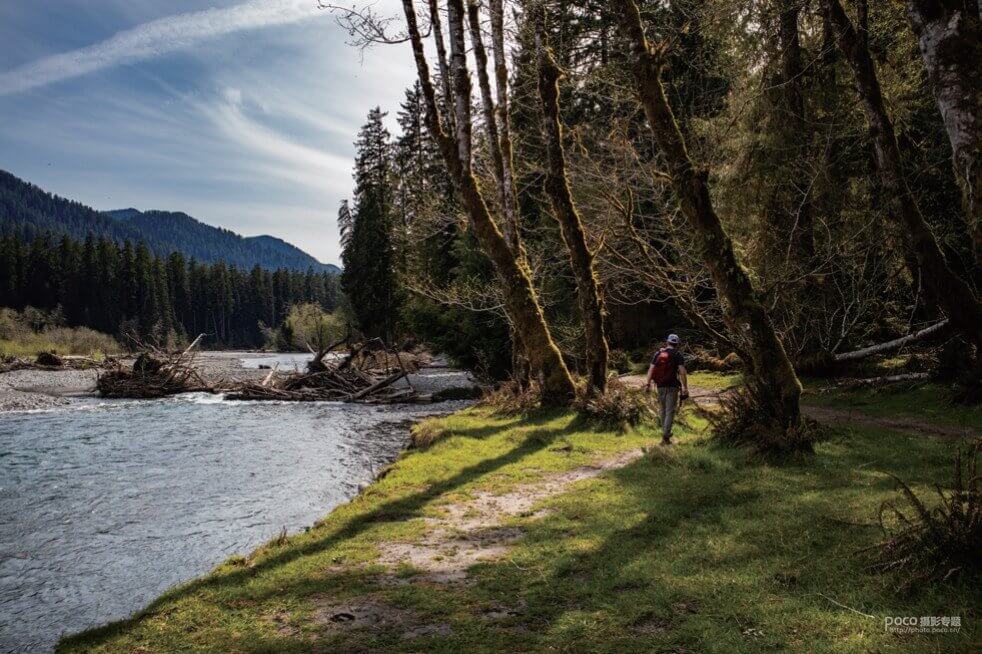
(105,504)
(543,534)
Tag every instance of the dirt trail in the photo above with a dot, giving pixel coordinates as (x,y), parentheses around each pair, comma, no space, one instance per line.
(839,416)
(466,533)
(912,425)
(472,531)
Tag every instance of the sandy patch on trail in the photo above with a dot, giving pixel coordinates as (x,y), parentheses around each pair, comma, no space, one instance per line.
(466,533)
(472,531)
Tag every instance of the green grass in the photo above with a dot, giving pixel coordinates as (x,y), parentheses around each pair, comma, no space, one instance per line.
(923,401)
(703,550)
(714,380)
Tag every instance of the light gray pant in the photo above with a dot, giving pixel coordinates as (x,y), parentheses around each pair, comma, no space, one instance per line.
(668,402)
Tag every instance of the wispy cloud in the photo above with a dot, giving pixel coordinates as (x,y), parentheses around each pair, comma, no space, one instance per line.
(155,38)
(279,154)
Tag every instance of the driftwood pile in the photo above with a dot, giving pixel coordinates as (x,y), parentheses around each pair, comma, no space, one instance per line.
(368,373)
(154,373)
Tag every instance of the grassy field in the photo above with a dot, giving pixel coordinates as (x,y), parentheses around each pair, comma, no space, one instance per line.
(700,549)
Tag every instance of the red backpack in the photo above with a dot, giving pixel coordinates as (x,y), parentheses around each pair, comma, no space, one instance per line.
(666,368)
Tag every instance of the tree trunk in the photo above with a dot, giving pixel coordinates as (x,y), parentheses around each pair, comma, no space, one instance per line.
(949,33)
(509,195)
(947,288)
(770,367)
(441,58)
(502,167)
(521,301)
(564,210)
(799,231)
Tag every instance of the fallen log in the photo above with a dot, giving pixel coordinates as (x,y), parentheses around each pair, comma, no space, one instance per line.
(886,379)
(895,344)
(388,381)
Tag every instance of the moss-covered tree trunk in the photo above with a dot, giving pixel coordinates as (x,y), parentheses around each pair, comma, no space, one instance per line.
(564,210)
(950,291)
(949,33)
(498,144)
(776,383)
(521,301)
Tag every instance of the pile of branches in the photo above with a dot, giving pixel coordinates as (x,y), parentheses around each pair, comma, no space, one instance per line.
(155,373)
(367,374)
(937,544)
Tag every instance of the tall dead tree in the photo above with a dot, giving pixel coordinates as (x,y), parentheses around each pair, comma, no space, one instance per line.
(520,298)
(949,33)
(776,383)
(565,213)
(948,289)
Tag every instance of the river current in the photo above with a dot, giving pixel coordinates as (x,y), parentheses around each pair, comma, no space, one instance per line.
(106,504)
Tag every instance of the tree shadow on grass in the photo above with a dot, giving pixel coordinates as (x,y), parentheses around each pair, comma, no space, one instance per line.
(395,510)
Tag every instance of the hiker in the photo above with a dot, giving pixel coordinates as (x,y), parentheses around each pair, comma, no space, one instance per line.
(667,372)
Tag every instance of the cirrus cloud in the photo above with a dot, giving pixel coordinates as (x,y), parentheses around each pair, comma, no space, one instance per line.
(154,38)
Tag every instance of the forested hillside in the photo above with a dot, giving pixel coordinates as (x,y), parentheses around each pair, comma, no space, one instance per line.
(27,210)
(129,292)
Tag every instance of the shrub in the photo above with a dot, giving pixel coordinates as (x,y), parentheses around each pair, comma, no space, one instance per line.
(509,398)
(312,327)
(617,408)
(426,433)
(744,419)
(619,361)
(80,340)
(934,544)
(32,331)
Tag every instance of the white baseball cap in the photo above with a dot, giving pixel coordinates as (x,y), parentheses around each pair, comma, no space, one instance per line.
(674,339)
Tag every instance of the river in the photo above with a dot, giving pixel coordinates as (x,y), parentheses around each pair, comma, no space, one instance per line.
(106,504)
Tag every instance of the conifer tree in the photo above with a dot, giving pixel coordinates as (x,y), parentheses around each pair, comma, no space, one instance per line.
(368,277)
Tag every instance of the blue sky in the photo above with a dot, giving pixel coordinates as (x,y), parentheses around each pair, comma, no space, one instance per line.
(240,113)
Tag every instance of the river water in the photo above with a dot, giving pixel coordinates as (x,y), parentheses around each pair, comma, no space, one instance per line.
(106,504)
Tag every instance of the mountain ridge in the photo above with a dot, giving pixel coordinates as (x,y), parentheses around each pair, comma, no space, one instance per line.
(28,209)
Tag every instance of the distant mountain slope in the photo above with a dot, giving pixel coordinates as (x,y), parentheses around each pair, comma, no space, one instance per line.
(29,210)
(206,243)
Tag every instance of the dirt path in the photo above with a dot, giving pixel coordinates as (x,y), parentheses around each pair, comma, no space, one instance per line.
(832,415)
(466,533)
(837,416)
